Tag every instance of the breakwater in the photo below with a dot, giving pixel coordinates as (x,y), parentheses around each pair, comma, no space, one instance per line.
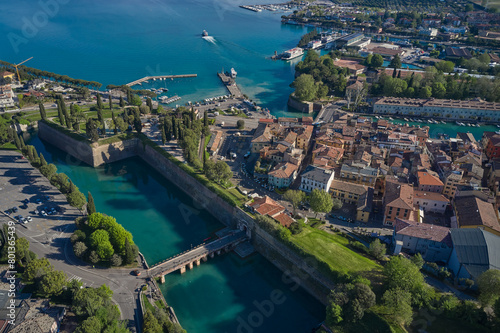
(303,273)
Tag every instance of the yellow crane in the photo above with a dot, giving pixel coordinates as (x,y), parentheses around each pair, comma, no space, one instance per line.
(17,71)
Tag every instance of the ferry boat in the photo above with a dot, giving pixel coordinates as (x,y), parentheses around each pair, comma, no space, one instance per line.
(204,33)
(292,53)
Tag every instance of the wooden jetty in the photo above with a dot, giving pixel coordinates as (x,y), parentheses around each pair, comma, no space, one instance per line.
(160,77)
(230,84)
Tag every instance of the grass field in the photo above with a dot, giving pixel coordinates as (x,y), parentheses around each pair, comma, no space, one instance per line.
(332,249)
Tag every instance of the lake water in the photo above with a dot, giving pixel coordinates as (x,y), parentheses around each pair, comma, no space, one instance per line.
(224,294)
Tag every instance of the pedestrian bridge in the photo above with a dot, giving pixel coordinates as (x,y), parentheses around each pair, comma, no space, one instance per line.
(194,256)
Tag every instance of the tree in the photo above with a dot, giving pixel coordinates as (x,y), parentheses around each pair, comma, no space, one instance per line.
(94,257)
(149,103)
(52,283)
(320,201)
(138,125)
(90,204)
(110,102)
(79,248)
(151,324)
(425,92)
(90,325)
(395,62)
(337,204)
(99,240)
(48,170)
(130,254)
(60,113)
(36,269)
(122,102)
(163,135)
(76,199)
(438,90)
(398,303)
(115,260)
(377,61)
(136,100)
(240,124)
(354,300)
(445,66)
(469,7)
(417,260)
(333,314)
(144,109)
(377,249)
(295,197)
(489,287)
(22,246)
(43,162)
(43,114)
(305,88)
(100,106)
(91,130)
(402,273)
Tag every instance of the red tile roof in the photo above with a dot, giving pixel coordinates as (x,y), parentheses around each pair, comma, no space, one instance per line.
(284,219)
(425,178)
(267,206)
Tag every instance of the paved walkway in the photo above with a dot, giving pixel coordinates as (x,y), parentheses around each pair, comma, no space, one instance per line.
(448,289)
(49,236)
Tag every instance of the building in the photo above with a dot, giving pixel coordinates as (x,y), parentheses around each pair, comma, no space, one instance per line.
(398,202)
(348,40)
(355,68)
(316,178)
(430,32)
(429,183)
(457,53)
(304,135)
(492,149)
(6,74)
(6,96)
(474,252)
(472,212)
(433,242)
(347,192)
(283,175)
(431,201)
(365,206)
(214,143)
(452,179)
(262,137)
(451,109)
(268,207)
(359,174)
(387,53)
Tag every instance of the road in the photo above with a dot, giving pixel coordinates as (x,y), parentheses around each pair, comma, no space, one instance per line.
(49,236)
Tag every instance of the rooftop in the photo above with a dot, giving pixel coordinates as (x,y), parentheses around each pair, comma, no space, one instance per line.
(425,178)
(476,104)
(472,211)
(423,231)
(317,174)
(266,206)
(349,187)
(430,196)
(398,195)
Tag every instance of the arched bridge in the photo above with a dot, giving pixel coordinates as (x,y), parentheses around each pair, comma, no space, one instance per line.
(194,256)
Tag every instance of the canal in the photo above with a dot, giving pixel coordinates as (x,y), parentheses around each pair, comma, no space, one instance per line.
(226,294)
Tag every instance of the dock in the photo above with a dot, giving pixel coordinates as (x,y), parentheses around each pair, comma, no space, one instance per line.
(230,84)
(160,77)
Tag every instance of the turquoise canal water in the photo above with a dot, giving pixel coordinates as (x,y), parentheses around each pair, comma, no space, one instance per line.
(450,128)
(225,294)
(116,42)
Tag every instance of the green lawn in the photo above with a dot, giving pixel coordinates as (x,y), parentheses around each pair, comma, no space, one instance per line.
(332,250)
(8,146)
(441,324)
(147,304)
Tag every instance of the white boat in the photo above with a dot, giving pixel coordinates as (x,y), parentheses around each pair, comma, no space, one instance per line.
(405,119)
(233,73)
(390,118)
(292,53)
(443,122)
(204,33)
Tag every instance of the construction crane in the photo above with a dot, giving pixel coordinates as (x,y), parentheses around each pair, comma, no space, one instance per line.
(17,71)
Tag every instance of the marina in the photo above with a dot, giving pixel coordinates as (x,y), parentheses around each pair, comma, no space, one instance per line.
(160,78)
(168,100)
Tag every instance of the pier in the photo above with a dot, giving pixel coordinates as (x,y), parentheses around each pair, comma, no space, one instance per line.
(230,84)
(160,77)
(193,257)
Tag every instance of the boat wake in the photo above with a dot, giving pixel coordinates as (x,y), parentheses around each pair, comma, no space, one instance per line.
(209,39)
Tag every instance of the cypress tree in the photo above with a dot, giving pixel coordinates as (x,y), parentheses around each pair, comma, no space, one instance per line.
(43,162)
(72,110)
(103,126)
(30,154)
(174,128)
(394,73)
(122,102)
(113,118)
(72,187)
(129,97)
(34,152)
(99,102)
(149,103)
(163,135)
(90,204)
(129,252)
(399,74)
(205,119)
(43,114)
(99,115)
(60,114)
(22,142)
(67,118)
(17,142)
(204,159)
(110,102)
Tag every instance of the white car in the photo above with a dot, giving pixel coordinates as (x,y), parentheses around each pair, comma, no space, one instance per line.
(29,219)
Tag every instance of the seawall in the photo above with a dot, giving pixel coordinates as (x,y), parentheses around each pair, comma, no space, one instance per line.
(293,266)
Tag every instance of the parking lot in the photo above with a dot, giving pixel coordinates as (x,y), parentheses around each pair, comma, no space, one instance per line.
(42,212)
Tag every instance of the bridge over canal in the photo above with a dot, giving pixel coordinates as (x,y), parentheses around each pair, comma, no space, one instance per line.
(196,255)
